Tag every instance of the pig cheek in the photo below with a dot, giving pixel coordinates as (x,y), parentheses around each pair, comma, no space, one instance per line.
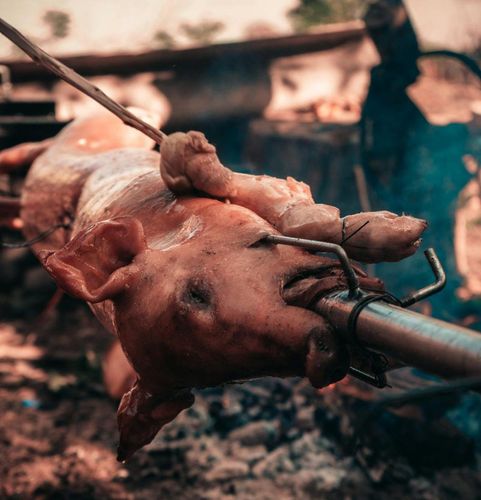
(142,330)
(191,342)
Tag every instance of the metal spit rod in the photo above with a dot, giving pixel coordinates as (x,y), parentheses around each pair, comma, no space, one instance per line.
(416,340)
(432,345)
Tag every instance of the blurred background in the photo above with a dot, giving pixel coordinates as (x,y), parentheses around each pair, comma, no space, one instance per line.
(376,105)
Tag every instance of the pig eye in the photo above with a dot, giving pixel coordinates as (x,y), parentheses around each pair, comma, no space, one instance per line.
(197,296)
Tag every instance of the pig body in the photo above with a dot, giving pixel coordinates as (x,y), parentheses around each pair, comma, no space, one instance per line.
(187,283)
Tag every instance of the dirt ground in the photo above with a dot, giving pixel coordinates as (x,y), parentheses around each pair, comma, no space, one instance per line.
(260,440)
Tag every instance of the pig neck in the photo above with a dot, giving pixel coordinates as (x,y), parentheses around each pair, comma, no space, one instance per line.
(62,186)
(135,188)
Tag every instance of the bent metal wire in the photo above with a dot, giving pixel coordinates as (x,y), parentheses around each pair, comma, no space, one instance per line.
(357,300)
(351,277)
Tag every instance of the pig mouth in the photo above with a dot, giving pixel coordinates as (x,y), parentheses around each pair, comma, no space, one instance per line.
(327,359)
(306,286)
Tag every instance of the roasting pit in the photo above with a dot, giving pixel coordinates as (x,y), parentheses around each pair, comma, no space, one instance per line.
(267,437)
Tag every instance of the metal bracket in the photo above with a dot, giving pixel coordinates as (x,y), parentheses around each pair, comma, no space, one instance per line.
(375,375)
(376,379)
(322,246)
(429,290)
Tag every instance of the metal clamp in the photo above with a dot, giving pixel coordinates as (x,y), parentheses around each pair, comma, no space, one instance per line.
(322,246)
(375,364)
(375,376)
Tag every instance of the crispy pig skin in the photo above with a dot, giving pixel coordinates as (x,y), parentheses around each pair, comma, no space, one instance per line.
(177,265)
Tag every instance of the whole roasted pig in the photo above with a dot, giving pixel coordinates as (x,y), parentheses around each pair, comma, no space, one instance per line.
(177,265)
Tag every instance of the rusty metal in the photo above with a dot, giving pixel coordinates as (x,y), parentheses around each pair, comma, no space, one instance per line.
(322,246)
(429,290)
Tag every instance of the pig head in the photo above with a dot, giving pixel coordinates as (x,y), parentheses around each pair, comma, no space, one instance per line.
(200,312)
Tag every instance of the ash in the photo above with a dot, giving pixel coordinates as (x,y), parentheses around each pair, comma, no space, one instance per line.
(264,439)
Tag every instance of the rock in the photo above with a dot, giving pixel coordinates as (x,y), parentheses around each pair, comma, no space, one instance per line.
(421,487)
(226,470)
(277,462)
(305,418)
(256,433)
(204,453)
(227,412)
(161,447)
(322,481)
(248,454)
(310,443)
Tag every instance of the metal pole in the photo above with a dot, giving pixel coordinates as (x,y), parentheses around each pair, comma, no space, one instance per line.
(414,339)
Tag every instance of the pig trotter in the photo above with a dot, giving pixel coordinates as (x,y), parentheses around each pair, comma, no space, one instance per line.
(22,155)
(388,237)
(189,163)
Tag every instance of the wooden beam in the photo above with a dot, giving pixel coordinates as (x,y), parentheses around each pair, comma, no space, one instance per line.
(323,38)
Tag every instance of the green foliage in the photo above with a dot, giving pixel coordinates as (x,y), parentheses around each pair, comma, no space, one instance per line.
(202,33)
(311,12)
(58,22)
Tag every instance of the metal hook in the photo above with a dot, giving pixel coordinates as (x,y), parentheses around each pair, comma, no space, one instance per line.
(429,290)
(322,246)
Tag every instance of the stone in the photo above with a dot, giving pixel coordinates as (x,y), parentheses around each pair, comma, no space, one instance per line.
(275,463)
(227,470)
(248,454)
(204,454)
(256,433)
(305,418)
(316,483)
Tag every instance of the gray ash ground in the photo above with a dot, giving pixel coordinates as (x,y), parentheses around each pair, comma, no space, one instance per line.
(259,440)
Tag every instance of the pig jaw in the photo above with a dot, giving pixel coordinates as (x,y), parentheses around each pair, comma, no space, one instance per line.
(186,346)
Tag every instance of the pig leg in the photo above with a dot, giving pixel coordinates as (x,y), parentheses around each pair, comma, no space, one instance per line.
(10,212)
(12,159)
(289,207)
(189,163)
(93,133)
(22,155)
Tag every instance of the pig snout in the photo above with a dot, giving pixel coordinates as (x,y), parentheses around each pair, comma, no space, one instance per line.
(327,360)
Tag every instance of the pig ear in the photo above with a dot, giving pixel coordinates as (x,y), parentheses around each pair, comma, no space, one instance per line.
(94,264)
(141,415)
